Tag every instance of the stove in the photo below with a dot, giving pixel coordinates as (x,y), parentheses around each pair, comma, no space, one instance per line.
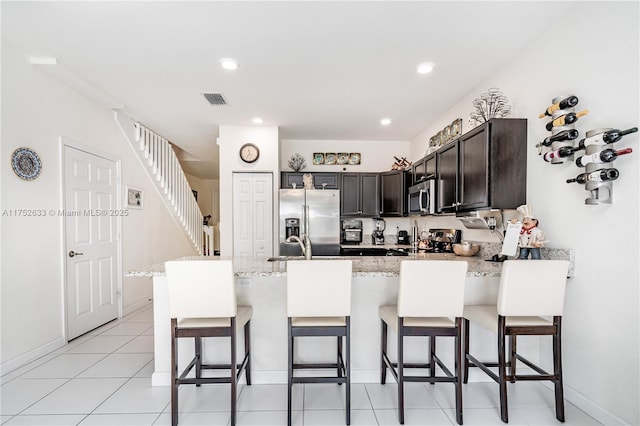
(442,240)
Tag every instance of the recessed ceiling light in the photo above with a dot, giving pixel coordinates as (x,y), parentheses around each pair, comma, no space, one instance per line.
(385,121)
(425,67)
(229,64)
(257,120)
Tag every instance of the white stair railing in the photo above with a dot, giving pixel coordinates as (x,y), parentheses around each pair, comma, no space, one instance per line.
(161,162)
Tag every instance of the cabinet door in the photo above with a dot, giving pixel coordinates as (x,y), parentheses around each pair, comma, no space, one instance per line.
(393,193)
(418,171)
(350,194)
(447,178)
(370,194)
(430,165)
(287,179)
(329,180)
(474,169)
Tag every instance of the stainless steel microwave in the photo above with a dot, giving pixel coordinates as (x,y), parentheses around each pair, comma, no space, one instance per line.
(422,198)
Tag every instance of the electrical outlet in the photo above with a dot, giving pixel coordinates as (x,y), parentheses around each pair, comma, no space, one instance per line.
(243,282)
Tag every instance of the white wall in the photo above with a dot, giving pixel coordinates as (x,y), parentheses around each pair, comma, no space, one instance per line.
(36,111)
(377,156)
(599,64)
(230,139)
(206,189)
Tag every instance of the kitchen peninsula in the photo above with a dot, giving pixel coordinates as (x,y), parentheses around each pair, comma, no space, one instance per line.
(262,284)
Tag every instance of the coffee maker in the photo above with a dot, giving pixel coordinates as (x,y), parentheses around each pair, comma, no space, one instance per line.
(377,236)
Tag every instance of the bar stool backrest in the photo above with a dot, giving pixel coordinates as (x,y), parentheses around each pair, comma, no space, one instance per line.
(319,288)
(201,288)
(532,287)
(431,288)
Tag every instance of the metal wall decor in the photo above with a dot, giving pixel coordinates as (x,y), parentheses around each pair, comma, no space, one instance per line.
(492,104)
(595,150)
(296,162)
(26,163)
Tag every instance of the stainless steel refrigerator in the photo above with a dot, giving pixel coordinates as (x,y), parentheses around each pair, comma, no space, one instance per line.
(314,212)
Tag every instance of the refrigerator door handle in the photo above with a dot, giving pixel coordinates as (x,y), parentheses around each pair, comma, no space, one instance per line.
(306,219)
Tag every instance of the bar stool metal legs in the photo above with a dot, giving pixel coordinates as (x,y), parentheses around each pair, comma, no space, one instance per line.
(530,292)
(342,364)
(507,369)
(196,364)
(397,369)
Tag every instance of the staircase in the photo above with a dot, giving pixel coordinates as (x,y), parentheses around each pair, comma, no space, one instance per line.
(161,162)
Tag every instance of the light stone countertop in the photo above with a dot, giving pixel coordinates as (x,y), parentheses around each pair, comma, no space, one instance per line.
(363,266)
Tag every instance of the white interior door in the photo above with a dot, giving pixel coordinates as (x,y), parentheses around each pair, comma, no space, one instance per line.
(91,234)
(252,214)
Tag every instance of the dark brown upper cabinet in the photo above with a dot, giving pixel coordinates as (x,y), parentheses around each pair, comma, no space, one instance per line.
(394,193)
(423,168)
(484,168)
(360,194)
(329,180)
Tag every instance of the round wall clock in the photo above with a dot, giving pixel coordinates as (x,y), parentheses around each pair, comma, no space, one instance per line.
(249,153)
(26,163)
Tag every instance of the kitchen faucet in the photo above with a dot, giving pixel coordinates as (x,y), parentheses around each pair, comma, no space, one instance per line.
(306,246)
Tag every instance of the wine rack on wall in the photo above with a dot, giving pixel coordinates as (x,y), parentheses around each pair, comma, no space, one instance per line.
(597,159)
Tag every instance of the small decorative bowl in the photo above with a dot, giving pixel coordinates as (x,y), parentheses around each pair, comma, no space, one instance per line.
(466,249)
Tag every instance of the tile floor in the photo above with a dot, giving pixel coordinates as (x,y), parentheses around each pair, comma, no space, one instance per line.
(103,378)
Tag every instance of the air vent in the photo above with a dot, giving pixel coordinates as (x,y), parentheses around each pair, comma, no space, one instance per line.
(215,98)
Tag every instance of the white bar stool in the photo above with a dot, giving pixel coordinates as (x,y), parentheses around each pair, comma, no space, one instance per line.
(202,303)
(529,290)
(319,304)
(430,303)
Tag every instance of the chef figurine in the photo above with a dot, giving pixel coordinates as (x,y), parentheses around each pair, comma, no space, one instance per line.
(531,237)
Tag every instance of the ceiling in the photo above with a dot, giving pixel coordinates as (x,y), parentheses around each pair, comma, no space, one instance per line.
(317,70)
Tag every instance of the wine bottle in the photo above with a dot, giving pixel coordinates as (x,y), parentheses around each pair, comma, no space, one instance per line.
(563,151)
(607,137)
(604,156)
(568,118)
(599,175)
(564,135)
(569,102)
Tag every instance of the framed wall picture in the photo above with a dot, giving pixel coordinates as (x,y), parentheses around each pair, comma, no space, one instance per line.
(318,158)
(133,197)
(343,158)
(330,158)
(456,128)
(354,158)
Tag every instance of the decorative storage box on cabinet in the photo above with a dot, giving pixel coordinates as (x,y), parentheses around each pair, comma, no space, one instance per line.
(484,168)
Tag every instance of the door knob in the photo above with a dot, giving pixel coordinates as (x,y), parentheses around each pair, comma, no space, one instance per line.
(75,253)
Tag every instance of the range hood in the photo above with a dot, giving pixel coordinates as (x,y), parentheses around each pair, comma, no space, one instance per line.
(481,219)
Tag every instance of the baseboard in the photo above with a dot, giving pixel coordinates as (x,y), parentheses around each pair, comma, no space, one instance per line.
(22,360)
(135,306)
(588,406)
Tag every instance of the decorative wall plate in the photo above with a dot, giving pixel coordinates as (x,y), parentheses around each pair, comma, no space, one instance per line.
(456,128)
(343,158)
(318,158)
(330,158)
(26,163)
(354,158)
